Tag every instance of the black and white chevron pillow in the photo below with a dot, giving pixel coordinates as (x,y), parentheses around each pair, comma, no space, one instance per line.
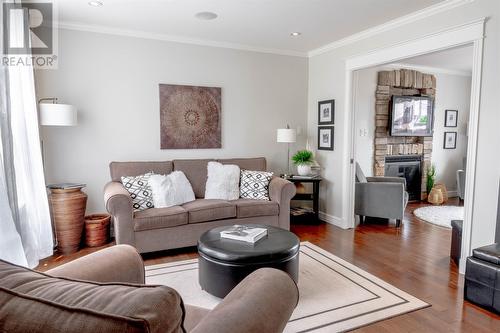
(139,190)
(255,184)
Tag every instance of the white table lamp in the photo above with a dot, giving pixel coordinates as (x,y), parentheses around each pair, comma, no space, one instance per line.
(287,135)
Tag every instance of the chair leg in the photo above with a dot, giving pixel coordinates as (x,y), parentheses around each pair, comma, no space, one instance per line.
(398,223)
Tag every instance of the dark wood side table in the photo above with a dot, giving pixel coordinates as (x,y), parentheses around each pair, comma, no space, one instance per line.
(314,196)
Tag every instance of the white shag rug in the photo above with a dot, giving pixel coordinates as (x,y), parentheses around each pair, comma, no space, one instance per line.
(335,296)
(440,215)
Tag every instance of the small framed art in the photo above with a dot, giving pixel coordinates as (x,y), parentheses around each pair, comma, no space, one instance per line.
(325,138)
(326,112)
(450,140)
(451,118)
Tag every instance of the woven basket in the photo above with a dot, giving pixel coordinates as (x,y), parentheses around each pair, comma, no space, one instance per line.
(97,229)
(435,197)
(444,191)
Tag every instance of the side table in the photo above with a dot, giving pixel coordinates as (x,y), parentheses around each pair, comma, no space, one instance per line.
(314,196)
(67,205)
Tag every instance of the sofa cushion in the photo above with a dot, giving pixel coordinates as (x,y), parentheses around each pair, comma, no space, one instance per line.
(139,190)
(223,181)
(170,190)
(196,173)
(121,169)
(257,163)
(255,184)
(156,218)
(253,208)
(203,210)
(35,302)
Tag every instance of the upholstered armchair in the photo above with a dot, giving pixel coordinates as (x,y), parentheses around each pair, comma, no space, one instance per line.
(383,197)
(105,292)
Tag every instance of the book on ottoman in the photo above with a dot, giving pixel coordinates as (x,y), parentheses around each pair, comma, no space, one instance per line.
(244,233)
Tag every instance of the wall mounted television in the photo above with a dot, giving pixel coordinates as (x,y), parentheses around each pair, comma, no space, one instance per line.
(412,116)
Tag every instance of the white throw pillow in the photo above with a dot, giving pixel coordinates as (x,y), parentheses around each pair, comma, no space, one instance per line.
(223,181)
(170,190)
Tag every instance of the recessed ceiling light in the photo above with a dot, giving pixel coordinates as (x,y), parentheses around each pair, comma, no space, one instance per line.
(96,3)
(206,16)
(296,33)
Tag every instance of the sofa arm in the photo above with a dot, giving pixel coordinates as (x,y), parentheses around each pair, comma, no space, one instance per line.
(385,200)
(282,191)
(119,204)
(263,302)
(118,264)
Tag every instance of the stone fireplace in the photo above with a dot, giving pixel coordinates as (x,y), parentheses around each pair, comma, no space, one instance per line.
(401,82)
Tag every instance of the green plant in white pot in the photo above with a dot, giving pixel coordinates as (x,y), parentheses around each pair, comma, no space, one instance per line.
(303,160)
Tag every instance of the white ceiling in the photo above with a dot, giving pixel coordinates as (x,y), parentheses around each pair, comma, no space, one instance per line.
(457,59)
(264,24)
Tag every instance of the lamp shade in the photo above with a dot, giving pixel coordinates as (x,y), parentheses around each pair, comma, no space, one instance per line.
(287,135)
(57,114)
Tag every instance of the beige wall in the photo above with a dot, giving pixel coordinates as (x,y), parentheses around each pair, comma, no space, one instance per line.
(327,80)
(113,81)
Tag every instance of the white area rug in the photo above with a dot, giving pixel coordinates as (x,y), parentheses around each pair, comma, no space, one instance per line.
(335,295)
(440,215)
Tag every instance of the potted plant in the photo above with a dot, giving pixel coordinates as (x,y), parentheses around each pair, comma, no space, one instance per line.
(303,160)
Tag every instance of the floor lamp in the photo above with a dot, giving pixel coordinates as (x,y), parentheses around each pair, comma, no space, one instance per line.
(286,135)
(54,114)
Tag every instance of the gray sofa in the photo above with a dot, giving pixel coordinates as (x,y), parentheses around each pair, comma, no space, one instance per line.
(383,197)
(105,292)
(158,229)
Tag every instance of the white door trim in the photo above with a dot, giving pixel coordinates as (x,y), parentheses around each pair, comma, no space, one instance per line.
(469,33)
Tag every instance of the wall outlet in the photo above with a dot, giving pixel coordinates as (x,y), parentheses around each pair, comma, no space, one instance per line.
(363,132)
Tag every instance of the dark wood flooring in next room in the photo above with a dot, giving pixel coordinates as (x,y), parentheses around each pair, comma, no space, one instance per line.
(414,258)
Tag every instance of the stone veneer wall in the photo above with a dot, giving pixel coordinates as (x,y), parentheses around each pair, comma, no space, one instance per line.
(402,82)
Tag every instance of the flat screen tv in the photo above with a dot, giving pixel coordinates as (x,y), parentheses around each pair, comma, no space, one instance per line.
(412,116)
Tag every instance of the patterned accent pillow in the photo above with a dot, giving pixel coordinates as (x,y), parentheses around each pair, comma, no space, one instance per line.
(255,184)
(139,190)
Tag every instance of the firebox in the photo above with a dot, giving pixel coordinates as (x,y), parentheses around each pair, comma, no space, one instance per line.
(408,167)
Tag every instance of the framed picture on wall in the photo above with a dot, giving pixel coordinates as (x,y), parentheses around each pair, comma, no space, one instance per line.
(325,138)
(451,118)
(450,140)
(326,112)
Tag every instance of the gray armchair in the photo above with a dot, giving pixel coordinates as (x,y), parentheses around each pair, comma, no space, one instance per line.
(383,197)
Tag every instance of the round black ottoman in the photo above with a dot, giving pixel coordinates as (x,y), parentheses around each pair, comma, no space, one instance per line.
(223,263)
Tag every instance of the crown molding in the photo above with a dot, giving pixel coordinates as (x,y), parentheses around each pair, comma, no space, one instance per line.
(430,69)
(403,20)
(66,25)
(398,22)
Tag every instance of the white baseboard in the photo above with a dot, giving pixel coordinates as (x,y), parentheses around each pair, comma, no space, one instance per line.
(335,220)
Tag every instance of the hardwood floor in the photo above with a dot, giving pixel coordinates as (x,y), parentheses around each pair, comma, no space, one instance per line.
(414,258)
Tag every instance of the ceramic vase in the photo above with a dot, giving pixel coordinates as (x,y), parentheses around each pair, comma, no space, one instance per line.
(304,169)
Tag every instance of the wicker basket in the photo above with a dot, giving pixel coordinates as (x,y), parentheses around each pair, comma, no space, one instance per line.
(444,191)
(97,229)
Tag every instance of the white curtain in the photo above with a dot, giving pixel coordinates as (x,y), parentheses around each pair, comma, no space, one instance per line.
(11,247)
(32,217)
